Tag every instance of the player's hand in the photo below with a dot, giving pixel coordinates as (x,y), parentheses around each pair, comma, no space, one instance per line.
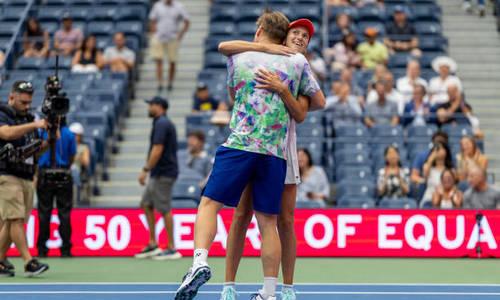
(280,50)
(142,178)
(41,124)
(270,81)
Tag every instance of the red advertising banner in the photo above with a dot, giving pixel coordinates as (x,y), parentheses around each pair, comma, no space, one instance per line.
(320,233)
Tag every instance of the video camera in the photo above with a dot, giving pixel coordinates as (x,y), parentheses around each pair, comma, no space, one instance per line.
(19,155)
(54,105)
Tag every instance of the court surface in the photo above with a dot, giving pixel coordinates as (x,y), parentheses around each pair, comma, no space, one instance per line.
(133,291)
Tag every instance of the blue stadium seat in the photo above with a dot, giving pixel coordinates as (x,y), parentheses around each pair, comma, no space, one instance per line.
(144,3)
(223,13)
(405,203)
(7,29)
(80,2)
(458,131)
(186,203)
(355,188)
(428,57)
(247,27)
(215,60)
(307,204)
(108,2)
(314,118)
(342,143)
(21,75)
(64,63)
(399,60)
(426,13)
(133,42)
(359,159)
(249,12)
(50,26)
(228,2)
(311,12)
(336,10)
(102,13)
(371,13)
(135,28)
(356,202)
(222,28)
(315,147)
(131,13)
(29,63)
(55,3)
(352,131)
(422,131)
(102,28)
(350,173)
(309,130)
(387,131)
(433,43)
(284,8)
(13,13)
(23,3)
(428,28)
(79,13)
(51,15)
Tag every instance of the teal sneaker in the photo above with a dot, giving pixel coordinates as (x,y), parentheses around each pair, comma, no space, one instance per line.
(288,294)
(228,293)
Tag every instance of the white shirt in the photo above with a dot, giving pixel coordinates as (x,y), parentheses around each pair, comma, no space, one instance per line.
(438,88)
(167,19)
(405,86)
(394,96)
(125,53)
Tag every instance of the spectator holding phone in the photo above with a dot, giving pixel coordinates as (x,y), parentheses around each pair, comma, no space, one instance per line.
(447,195)
(439,160)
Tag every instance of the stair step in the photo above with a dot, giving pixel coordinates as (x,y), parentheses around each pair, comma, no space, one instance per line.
(132,190)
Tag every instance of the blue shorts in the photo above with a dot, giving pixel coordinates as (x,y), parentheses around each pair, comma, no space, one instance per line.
(234,169)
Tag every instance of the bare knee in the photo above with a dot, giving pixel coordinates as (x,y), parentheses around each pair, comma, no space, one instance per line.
(286,221)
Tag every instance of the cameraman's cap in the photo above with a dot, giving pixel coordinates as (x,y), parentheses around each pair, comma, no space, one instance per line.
(158,100)
(201,86)
(22,86)
(66,16)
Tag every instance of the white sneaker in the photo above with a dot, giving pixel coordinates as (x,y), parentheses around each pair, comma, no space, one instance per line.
(467,7)
(259,297)
(192,281)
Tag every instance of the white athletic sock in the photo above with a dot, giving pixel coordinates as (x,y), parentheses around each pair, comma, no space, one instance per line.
(269,287)
(200,257)
(287,287)
(229,284)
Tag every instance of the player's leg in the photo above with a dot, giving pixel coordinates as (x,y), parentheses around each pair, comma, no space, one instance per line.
(286,230)
(230,174)
(236,242)
(268,185)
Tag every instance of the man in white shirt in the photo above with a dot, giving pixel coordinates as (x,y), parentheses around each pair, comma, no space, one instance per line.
(405,84)
(165,19)
(119,58)
(391,94)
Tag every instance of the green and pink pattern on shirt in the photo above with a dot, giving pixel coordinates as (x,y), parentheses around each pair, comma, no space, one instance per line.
(260,120)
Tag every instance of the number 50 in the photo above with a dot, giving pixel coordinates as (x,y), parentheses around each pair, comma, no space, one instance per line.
(95,228)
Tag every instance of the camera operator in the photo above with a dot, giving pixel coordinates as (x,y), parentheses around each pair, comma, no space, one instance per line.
(18,128)
(60,192)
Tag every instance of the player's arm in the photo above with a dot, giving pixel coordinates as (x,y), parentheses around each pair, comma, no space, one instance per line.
(229,48)
(318,101)
(272,82)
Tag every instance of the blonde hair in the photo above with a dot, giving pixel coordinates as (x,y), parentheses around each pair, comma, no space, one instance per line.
(274,24)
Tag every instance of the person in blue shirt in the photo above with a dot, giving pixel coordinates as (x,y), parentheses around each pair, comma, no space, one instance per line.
(62,194)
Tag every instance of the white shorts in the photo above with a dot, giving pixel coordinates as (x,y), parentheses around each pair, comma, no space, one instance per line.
(292,161)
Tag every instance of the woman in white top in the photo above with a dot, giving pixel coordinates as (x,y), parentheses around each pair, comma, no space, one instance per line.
(438,86)
(439,159)
(447,195)
(314,185)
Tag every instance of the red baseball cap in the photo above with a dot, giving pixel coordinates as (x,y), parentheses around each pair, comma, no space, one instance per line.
(303,23)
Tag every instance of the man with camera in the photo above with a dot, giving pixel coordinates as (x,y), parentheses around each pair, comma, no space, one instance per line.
(60,190)
(18,133)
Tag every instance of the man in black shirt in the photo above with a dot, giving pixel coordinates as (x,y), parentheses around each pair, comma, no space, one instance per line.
(163,170)
(18,128)
(401,35)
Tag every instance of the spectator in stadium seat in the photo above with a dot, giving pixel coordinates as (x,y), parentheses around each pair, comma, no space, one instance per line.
(438,86)
(314,185)
(67,40)
(2,58)
(119,58)
(81,163)
(343,24)
(470,156)
(344,106)
(480,195)
(401,35)
(417,111)
(202,100)
(346,76)
(372,52)
(198,158)
(447,195)
(417,177)
(391,93)
(383,111)
(393,179)
(343,54)
(165,18)
(446,113)
(405,84)
(318,65)
(439,159)
(88,59)
(36,41)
